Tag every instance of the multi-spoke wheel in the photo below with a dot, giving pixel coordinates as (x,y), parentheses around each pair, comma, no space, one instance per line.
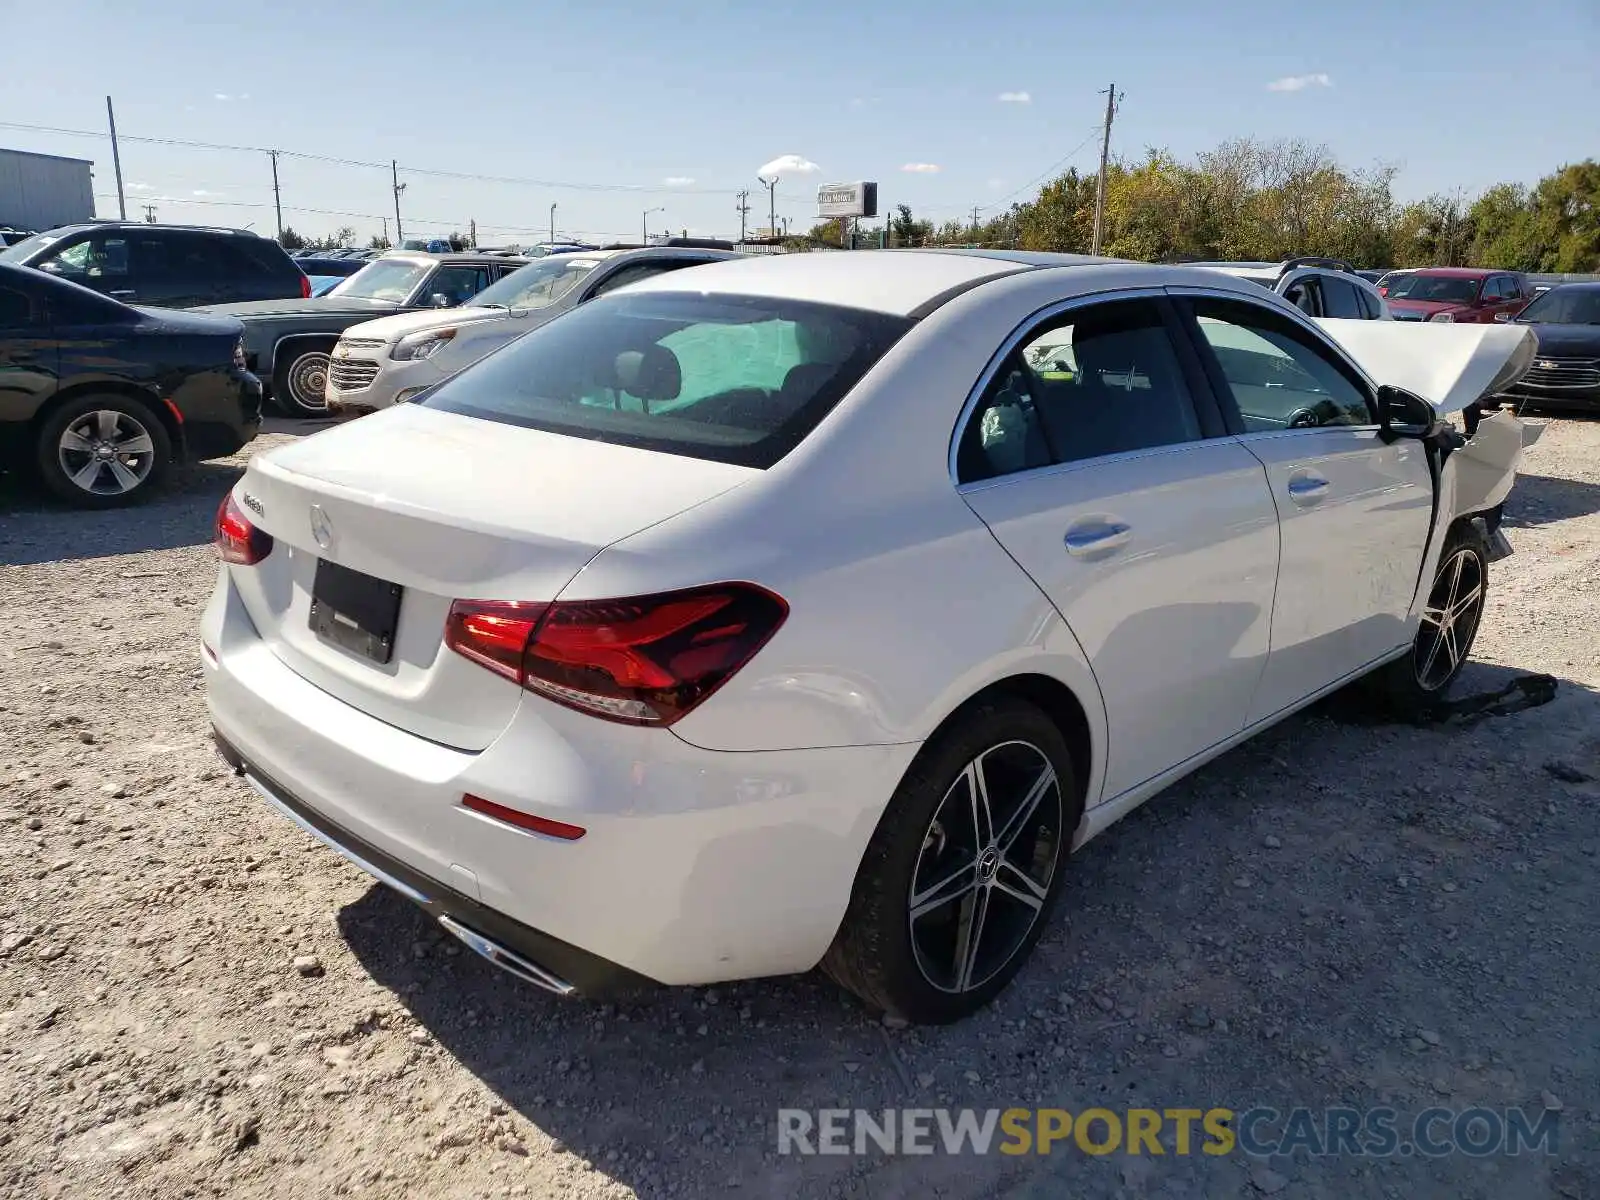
(1411,686)
(1450,620)
(960,876)
(102,451)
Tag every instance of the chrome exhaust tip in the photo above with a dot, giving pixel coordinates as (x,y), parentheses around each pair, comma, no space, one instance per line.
(506,960)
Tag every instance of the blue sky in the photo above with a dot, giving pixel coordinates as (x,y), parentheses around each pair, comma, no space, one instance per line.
(632,101)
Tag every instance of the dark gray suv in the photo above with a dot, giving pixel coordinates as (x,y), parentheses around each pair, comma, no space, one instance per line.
(171,266)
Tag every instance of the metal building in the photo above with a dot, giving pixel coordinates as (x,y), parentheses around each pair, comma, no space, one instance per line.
(41,191)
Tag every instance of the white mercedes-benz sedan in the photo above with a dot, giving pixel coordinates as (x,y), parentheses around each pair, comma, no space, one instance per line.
(812,609)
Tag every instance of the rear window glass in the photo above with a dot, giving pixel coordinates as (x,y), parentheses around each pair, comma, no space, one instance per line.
(733,379)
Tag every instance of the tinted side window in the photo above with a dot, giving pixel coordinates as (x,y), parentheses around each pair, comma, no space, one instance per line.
(627,275)
(458,283)
(1341,298)
(1371,303)
(1093,381)
(16,310)
(1281,376)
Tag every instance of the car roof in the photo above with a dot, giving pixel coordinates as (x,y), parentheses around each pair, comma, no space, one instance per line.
(423,256)
(1460,272)
(898,282)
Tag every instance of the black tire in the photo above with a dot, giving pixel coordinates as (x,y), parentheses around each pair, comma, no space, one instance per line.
(103,451)
(877,954)
(1412,686)
(300,378)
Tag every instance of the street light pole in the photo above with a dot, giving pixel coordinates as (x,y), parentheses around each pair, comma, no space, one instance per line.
(552,224)
(644,221)
(772,203)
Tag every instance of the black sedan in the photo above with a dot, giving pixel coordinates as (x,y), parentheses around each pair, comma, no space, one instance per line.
(1566,372)
(98,398)
(288,342)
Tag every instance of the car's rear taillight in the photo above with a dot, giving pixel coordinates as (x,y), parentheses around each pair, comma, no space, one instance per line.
(644,660)
(305,286)
(238,541)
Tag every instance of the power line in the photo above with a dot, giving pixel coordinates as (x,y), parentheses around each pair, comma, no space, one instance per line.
(1049,172)
(432,172)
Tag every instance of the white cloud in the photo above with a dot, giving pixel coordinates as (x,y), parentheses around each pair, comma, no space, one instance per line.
(1014,98)
(921,168)
(1297,83)
(788,164)
(140,187)
(223,96)
(203,192)
(677,181)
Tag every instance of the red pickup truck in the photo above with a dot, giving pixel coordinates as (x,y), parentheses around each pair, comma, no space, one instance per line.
(1457,294)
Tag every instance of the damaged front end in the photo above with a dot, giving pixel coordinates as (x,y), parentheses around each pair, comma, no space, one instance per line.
(1457,369)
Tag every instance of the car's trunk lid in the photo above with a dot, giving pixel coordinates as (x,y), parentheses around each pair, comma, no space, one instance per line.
(446,507)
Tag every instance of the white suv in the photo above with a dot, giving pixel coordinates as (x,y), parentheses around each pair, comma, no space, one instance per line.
(1318,287)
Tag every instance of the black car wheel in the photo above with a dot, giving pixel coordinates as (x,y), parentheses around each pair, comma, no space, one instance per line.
(1411,686)
(300,379)
(103,451)
(960,877)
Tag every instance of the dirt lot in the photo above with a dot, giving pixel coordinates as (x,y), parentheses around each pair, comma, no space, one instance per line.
(1338,913)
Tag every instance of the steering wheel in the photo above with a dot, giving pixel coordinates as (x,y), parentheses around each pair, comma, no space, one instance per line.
(1304,418)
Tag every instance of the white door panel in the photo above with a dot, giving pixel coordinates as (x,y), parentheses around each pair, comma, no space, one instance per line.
(1355,516)
(1163,563)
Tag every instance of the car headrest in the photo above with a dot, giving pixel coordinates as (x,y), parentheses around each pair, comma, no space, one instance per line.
(650,374)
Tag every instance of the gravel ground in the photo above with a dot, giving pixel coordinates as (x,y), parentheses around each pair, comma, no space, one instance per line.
(196,999)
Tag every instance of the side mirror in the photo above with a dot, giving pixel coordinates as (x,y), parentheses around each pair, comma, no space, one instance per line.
(1502,317)
(439,300)
(1403,414)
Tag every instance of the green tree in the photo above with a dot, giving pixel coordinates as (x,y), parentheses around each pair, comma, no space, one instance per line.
(290,240)
(1505,229)
(379,242)
(1566,208)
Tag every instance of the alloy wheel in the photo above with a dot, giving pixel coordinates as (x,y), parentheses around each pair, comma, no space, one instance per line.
(1450,620)
(106,452)
(308,381)
(985,868)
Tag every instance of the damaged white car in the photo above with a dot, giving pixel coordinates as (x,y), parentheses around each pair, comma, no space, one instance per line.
(813,608)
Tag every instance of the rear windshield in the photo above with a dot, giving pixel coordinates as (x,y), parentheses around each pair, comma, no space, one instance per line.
(735,379)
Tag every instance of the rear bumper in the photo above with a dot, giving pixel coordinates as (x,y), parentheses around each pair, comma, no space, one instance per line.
(560,967)
(221,413)
(697,865)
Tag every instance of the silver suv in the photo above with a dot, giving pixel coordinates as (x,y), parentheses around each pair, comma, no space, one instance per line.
(1319,287)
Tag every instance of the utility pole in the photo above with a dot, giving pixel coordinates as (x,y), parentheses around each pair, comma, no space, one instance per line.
(150,214)
(744,211)
(552,224)
(974,222)
(1100,187)
(394,176)
(472,231)
(277,198)
(772,203)
(386,230)
(116,161)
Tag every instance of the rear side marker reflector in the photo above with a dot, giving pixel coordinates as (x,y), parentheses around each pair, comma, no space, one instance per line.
(522,820)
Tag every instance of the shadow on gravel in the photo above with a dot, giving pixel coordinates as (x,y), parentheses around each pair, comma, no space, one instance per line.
(1541,499)
(35,528)
(1273,931)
